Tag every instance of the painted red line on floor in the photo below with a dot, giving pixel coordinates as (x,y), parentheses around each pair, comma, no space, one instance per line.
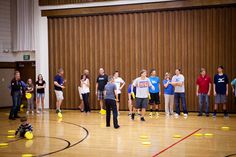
(176,143)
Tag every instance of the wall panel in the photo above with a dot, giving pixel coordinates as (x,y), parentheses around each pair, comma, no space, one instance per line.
(189,39)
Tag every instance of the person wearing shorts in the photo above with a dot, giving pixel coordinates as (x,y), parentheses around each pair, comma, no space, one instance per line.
(102,80)
(40,93)
(233,84)
(120,83)
(154,94)
(58,87)
(142,85)
(220,90)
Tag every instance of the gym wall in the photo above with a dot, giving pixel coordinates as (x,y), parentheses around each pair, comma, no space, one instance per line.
(128,42)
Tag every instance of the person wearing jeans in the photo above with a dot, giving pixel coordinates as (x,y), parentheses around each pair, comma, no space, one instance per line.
(111,97)
(85,92)
(16,93)
(203,91)
(178,83)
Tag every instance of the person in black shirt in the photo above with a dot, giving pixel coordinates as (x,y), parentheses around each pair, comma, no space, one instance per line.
(102,80)
(58,87)
(40,86)
(17,87)
(221,88)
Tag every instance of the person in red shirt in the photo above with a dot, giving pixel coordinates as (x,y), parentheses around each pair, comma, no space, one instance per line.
(203,91)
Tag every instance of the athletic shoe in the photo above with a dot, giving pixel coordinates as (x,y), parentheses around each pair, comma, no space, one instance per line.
(150,114)
(226,115)
(58,110)
(118,113)
(39,112)
(199,114)
(139,114)
(107,125)
(207,114)
(32,112)
(185,115)
(176,115)
(157,113)
(142,119)
(17,116)
(129,114)
(132,116)
(116,127)
(11,118)
(27,112)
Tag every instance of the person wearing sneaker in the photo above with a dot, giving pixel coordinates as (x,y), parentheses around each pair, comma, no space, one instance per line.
(233,84)
(40,92)
(17,87)
(142,85)
(154,94)
(102,80)
(30,101)
(120,83)
(85,84)
(203,91)
(111,97)
(131,99)
(178,82)
(58,87)
(221,89)
(168,94)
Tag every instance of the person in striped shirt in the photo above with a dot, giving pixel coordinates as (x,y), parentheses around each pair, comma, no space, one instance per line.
(24,127)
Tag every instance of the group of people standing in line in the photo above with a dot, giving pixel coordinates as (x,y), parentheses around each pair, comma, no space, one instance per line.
(147,90)
(144,90)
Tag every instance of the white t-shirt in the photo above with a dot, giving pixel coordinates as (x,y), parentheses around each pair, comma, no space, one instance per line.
(84,87)
(118,82)
(180,78)
(142,87)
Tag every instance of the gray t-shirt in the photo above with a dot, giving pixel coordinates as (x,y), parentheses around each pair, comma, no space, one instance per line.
(180,78)
(109,88)
(142,87)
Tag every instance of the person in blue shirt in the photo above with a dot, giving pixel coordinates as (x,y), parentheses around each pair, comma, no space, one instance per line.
(220,90)
(58,87)
(233,84)
(168,95)
(154,94)
(131,98)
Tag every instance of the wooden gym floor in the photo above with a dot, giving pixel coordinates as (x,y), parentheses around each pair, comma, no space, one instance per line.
(77,134)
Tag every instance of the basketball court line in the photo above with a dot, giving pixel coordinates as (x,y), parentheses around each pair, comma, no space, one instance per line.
(230,155)
(69,145)
(162,151)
